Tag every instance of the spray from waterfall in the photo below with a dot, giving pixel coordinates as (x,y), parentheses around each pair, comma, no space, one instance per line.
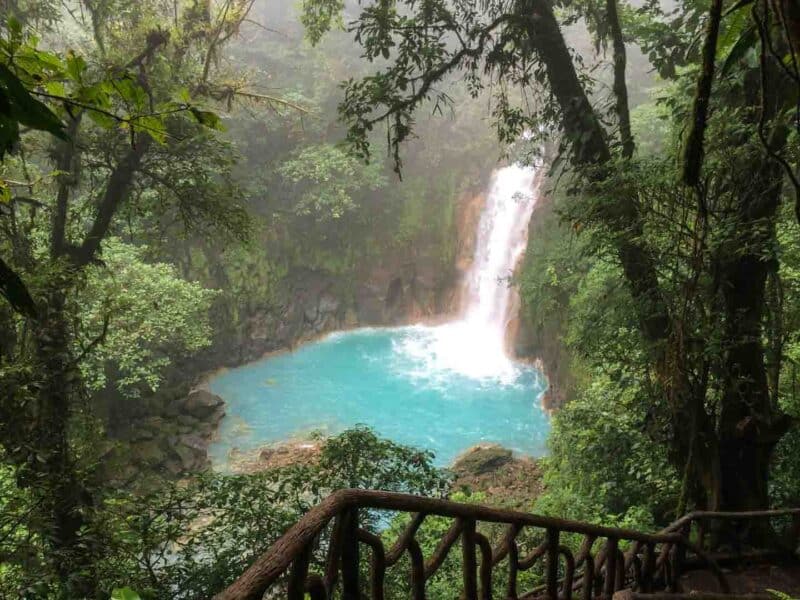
(475,345)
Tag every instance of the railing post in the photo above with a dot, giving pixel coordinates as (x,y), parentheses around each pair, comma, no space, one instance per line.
(552,563)
(470,563)
(513,566)
(649,568)
(588,576)
(297,576)
(679,557)
(350,567)
(611,567)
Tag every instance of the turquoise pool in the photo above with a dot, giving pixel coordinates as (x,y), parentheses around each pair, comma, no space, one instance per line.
(436,388)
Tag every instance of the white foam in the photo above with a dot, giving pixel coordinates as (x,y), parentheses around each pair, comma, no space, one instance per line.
(475,346)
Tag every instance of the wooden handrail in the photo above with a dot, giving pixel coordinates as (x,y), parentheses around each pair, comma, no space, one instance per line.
(700,515)
(292,552)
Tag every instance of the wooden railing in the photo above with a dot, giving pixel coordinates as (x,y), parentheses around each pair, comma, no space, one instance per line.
(727,537)
(610,559)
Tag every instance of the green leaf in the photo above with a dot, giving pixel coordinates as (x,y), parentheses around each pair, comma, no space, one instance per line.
(125,593)
(154,126)
(15,291)
(19,105)
(76,65)
(5,193)
(745,42)
(103,120)
(56,88)
(207,118)
(131,92)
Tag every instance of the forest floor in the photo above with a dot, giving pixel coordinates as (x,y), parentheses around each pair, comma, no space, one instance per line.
(754,579)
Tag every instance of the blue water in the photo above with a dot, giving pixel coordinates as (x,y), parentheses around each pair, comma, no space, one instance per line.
(393,380)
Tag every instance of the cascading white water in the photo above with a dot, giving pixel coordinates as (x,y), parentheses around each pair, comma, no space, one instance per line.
(475,345)
(502,236)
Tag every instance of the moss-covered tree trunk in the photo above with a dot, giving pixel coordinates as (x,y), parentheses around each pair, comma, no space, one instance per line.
(65,500)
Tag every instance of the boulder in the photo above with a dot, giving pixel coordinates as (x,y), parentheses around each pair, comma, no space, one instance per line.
(190,450)
(174,467)
(482,459)
(147,452)
(142,433)
(193,441)
(201,404)
(310,312)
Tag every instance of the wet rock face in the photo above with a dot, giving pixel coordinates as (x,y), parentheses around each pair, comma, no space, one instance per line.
(299,452)
(399,288)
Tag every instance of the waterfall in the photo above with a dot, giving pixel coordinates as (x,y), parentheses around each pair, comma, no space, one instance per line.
(502,236)
(475,344)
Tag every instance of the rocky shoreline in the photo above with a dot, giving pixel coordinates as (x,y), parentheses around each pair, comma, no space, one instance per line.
(506,479)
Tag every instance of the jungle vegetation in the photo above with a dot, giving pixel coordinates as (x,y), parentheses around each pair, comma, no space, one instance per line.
(167,165)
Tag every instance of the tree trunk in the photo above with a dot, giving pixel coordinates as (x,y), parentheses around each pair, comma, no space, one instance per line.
(750,424)
(65,499)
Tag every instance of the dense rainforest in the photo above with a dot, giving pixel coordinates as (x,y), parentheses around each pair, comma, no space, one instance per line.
(190,185)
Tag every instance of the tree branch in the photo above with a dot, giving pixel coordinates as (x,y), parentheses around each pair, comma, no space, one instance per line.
(693,152)
(117,189)
(620,85)
(64,164)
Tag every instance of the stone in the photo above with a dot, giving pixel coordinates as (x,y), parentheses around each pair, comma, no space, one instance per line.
(202,403)
(190,451)
(350,318)
(155,423)
(172,409)
(186,457)
(217,416)
(193,441)
(148,452)
(310,311)
(141,434)
(173,467)
(482,459)
(187,420)
(328,304)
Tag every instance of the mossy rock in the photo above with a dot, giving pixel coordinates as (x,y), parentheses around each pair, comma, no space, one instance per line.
(482,459)
(147,452)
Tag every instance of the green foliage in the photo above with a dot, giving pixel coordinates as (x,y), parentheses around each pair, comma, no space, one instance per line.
(190,541)
(328,181)
(140,315)
(360,459)
(18,107)
(124,593)
(607,418)
(778,595)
